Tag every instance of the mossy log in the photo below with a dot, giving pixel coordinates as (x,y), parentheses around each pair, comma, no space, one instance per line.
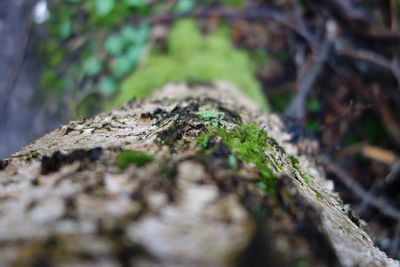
(193,176)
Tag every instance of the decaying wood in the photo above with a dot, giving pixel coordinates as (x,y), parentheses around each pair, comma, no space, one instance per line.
(64,201)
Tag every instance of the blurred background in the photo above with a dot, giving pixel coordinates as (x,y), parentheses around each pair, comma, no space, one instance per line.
(332,66)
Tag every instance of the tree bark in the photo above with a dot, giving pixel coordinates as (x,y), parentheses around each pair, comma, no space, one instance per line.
(83,195)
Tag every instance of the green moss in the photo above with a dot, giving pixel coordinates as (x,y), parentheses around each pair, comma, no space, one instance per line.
(211,117)
(202,141)
(193,57)
(296,165)
(208,114)
(232,162)
(293,160)
(248,143)
(128,157)
(166,170)
(319,195)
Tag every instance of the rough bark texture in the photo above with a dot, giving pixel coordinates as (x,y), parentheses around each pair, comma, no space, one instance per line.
(65,202)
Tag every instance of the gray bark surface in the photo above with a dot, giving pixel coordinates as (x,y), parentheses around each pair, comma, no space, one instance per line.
(65,202)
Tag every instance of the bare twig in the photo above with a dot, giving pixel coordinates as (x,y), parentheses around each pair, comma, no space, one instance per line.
(379,154)
(372,57)
(298,14)
(389,120)
(363,206)
(9,87)
(345,12)
(382,205)
(395,169)
(259,13)
(297,107)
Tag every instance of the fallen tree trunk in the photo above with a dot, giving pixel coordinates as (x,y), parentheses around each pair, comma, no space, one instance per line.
(181,179)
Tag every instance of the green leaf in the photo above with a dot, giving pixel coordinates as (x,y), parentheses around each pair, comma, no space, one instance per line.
(183,6)
(114,45)
(128,34)
(142,33)
(65,29)
(107,86)
(122,66)
(134,54)
(104,7)
(92,66)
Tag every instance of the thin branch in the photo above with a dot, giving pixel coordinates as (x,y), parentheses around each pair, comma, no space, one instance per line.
(382,205)
(9,87)
(372,57)
(390,121)
(259,13)
(394,170)
(297,106)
